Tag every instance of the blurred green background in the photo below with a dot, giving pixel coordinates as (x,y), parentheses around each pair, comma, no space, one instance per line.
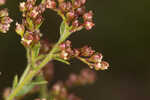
(122,34)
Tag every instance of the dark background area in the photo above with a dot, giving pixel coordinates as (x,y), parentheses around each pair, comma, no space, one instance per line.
(122,34)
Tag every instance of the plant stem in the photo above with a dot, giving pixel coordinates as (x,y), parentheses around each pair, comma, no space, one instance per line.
(27,76)
(28,66)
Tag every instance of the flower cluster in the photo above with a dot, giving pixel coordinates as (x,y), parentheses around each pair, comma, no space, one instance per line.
(86,76)
(2,2)
(41,53)
(60,92)
(5,20)
(31,22)
(85,54)
(60,89)
(73,12)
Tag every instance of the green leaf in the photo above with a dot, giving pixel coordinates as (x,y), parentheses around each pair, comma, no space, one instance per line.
(36,50)
(62,28)
(64,31)
(63,61)
(30,23)
(39,83)
(26,89)
(15,81)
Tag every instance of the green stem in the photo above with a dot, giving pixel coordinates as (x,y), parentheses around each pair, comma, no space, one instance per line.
(28,66)
(25,73)
(26,78)
(20,86)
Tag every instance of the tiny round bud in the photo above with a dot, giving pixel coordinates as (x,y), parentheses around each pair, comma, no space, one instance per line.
(3,13)
(50,4)
(29,6)
(83,2)
(38,20)
(63,6)
(76,52)
(70,15)
(26,42)
(68,6)
(77,4)
(62,46)
(96,58)
(88,16)
(2,2)
(22,6)
(64,55)
(34,13)
(4,27)
(80,11)
(36,38)
(97,66)
(88,25)
(87,51)
(75,23)
(28,36)
(20,29)
(104,65)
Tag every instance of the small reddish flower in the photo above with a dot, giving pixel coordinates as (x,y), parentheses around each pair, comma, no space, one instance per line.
(88,25)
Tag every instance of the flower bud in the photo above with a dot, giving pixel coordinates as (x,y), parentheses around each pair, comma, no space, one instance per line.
(97,66)
(77,4)
(83,2)
(6,20)
(2,2)
(22,6)
(88,25)
(36,38)
(88,16)
(63,6)
(29,6)
(3,13)
(70,15)
(64,55)
(87,51)
(50,4)
(104,65)
(38,20)
(20,29)
(75,23)
(34,13)
(26,42)
(4,27)
(80,11)
(96,58)
(68,6)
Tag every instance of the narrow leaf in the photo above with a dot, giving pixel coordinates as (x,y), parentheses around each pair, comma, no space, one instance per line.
(15,81)
(26,89)
(63,61)
(36,50)
(39,83)
(62,28)
(30,23)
